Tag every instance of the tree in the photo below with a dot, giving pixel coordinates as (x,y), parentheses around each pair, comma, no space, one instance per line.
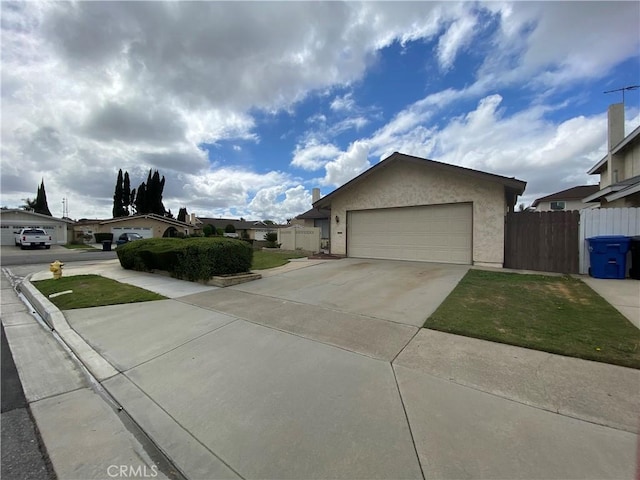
(41,201)
(208,230)
(182,214)
(29,205)
(268,222)
(126,194)
(230,229)
(119,209)
(141,199)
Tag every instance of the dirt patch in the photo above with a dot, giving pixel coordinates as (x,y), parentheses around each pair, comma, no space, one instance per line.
(563,290)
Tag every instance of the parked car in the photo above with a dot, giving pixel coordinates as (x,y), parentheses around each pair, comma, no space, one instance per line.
(32,237)
(128,237)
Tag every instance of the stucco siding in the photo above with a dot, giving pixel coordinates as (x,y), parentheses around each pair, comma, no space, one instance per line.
(407,184)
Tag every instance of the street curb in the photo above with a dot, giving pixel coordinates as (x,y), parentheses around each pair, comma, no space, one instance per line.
(92,360)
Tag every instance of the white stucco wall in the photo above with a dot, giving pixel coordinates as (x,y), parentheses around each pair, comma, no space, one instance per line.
(406,184)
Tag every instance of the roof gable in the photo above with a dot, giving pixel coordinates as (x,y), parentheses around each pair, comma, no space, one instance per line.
(37,215)
(510,183)
(150,216)
(573,193)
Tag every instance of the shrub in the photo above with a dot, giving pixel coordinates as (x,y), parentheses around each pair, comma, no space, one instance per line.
(190,258)
(208,230)
(272,238)
(103,237)
(219,231)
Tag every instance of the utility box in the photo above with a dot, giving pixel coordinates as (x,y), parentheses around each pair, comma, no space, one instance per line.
(608,256)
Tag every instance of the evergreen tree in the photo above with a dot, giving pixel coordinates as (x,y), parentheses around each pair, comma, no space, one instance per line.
(118,199)
(41,201)
(126,194)
(182,214)
(141,200)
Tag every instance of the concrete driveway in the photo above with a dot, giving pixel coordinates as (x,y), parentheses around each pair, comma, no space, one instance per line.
(373,307)
(300,375)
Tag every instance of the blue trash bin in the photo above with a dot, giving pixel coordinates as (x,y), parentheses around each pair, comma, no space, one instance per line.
(608,256)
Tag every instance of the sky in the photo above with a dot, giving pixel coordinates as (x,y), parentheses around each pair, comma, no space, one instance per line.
(246,107)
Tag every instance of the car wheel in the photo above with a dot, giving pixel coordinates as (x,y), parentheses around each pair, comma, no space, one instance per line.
(22,247)
(47,247)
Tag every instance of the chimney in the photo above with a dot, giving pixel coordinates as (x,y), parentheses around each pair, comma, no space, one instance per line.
(315,195)
(192,219)
(615,116)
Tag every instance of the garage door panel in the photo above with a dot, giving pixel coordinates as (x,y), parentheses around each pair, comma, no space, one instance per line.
(434,233)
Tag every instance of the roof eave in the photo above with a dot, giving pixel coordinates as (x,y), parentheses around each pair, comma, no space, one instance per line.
(512,185)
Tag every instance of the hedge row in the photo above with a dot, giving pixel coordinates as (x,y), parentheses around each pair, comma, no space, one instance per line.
(190,258)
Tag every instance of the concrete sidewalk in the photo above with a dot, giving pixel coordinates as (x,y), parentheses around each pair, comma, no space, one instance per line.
(227,392)
(624,295)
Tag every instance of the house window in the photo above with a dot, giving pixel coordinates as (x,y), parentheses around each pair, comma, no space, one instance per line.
(557,205)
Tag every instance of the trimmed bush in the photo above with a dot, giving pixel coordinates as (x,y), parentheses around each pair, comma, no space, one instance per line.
(191,258)
(208,230)
(103,237)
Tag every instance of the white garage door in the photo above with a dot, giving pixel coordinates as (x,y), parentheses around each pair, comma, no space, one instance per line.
(8,237)
(434,233)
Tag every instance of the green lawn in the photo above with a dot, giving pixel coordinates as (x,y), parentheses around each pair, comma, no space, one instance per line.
(92,291)
(263,259)
(554,314)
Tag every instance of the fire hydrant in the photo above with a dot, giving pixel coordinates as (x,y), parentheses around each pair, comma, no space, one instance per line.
(56,268)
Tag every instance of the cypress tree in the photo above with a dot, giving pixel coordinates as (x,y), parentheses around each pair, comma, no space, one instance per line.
(141,199)
(126,193)
(118,200)
(41,201)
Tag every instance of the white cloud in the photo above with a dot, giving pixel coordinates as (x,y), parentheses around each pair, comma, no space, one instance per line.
(347,165)
(312,156)
(279,204)
(457,36)
(343,103)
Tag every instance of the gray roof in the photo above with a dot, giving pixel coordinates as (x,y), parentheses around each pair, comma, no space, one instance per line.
(315,213)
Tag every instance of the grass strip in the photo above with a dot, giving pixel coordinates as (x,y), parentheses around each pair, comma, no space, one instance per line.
(92,291)
(263,259)
(559,315)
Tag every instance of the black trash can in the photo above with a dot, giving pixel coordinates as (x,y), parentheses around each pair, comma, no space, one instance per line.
(634,246)
(106,246)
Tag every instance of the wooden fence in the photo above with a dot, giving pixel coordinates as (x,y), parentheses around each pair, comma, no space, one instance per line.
(542,241)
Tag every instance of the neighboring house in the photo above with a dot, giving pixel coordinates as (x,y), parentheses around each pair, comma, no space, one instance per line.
(13,220)
(619,170)
(316,217)
(410,208)
(148,226)
(570,199)
(253,229)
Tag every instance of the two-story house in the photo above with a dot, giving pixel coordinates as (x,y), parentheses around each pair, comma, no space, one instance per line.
(619,170)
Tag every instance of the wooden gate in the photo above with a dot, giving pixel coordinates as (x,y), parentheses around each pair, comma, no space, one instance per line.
(542,241)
